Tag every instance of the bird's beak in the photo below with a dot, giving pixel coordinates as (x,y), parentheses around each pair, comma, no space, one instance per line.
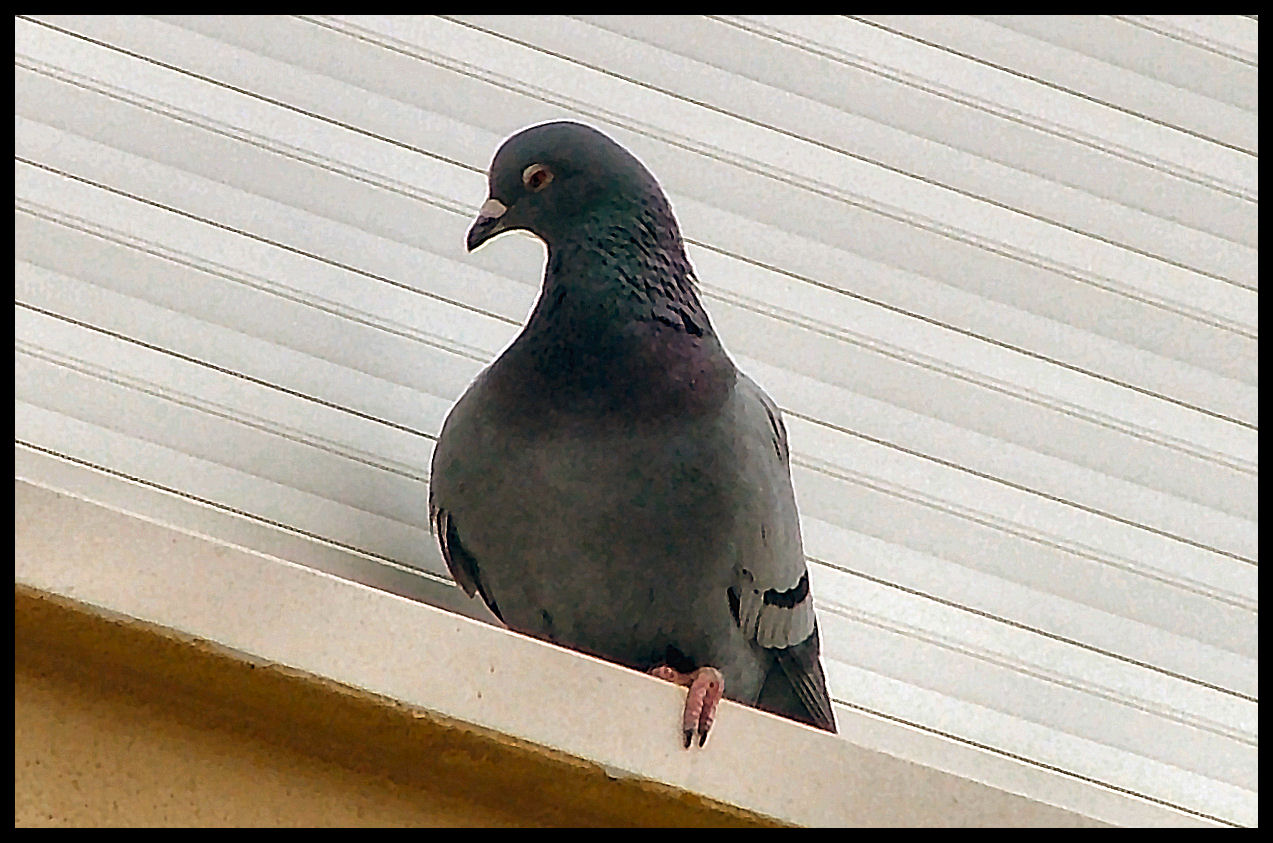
(489,222)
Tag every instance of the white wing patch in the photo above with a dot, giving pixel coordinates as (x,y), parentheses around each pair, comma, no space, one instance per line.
(773,618)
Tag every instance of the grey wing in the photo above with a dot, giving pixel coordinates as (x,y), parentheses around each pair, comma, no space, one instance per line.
(771,584)
(457,438)
(770,597)
(459,562)
(797,688)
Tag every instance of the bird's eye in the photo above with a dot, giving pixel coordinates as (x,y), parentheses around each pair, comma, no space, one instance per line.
(536,177)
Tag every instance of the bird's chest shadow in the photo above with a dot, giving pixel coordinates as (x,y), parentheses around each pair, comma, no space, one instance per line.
(640,615)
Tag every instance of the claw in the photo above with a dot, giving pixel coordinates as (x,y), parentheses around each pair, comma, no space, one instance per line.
(670,674)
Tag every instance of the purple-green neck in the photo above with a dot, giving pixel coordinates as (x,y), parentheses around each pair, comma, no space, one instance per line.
(619,326)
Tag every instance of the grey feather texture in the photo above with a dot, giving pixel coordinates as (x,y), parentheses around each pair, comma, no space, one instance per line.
(612,482)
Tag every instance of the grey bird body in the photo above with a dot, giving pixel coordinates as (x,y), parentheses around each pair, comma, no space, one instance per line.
(612,483)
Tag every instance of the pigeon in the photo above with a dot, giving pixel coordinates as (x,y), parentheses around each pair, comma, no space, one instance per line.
(612,483)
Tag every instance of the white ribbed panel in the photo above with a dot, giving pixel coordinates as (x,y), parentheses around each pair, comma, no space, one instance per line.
(1000,273)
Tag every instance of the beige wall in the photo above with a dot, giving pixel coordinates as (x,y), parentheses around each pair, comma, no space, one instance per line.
(117,724)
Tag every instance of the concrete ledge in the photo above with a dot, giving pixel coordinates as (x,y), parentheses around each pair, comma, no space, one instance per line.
(445,771)
(393,685)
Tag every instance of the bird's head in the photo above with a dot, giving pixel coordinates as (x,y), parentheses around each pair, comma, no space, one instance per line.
(546,178)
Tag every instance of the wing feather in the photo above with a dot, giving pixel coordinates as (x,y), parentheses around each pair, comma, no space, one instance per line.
(803,669)
(775,606)
(771,588)
(459,562)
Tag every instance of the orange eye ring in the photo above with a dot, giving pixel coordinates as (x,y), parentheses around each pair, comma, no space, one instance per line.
(536,177)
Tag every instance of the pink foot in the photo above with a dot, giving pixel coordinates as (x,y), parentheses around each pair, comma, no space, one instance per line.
(707,686)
